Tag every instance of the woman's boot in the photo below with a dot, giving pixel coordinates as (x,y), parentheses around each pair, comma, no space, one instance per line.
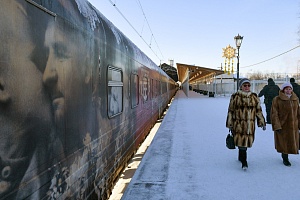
(285,158)
(243,155)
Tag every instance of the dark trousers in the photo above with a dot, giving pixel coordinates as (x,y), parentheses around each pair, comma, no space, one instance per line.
(268,111)
(242,154)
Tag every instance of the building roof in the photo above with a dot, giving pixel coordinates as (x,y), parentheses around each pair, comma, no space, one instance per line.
(196,72)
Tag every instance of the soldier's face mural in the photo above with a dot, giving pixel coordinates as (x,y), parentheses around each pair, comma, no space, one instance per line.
(24,107)
(67,79)
(65,70)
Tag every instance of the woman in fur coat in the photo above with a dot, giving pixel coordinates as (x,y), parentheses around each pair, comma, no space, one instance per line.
(244,108)
(285,116)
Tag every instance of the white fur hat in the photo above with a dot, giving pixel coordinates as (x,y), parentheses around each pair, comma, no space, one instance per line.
(287,84)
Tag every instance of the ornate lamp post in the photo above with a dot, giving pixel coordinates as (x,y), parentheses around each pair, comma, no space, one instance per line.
(238,41)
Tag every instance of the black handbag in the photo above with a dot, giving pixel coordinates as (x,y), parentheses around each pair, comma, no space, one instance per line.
(230,141)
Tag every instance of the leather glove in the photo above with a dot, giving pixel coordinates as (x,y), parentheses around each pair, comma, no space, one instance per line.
(264,128)
(278,131)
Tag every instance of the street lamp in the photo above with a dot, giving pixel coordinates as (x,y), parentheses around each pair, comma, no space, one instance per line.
(238,42)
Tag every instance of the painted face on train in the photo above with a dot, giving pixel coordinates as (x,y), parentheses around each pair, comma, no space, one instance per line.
(24,106)
(67,77)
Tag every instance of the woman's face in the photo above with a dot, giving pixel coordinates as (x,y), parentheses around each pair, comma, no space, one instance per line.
(26,104)
(287,90)
(246,87)
(25,115)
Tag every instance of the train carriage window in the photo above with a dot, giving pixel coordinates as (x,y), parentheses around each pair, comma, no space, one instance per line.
(144,88)
(134,84)
(152,88)
(115,91)
(157,88)
(160,88)
(164,87)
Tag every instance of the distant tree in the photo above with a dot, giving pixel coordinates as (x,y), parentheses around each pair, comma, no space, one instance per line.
(270,75)
(256,76)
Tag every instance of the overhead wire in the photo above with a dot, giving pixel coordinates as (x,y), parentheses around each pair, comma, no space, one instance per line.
(114,4)
(152,35)
(272,57)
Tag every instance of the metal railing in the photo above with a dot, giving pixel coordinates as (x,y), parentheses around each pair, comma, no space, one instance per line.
(226,89)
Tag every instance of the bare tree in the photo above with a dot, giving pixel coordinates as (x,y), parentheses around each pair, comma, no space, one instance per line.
(256,75)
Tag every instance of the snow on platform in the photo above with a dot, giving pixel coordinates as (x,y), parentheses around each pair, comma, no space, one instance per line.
(188,159)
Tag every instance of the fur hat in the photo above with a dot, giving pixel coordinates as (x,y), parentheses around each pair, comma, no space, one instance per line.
(242,81)
(287,84)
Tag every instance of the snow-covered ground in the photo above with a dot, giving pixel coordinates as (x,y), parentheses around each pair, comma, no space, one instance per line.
(188,159)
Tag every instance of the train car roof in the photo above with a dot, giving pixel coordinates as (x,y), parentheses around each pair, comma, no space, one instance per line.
(94,17)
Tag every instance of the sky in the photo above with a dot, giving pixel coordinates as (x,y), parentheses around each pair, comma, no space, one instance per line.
(195,32)
(187,159)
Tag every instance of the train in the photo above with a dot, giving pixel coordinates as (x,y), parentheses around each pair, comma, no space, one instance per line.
(77,98)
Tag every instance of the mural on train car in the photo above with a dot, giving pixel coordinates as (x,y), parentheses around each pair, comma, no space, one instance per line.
(47,101)
(25,114)
(62,135)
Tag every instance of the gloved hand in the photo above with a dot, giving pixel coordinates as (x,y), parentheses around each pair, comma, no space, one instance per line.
(278,131)
(264,128)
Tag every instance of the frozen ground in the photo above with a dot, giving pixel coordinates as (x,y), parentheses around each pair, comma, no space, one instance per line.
(187,159)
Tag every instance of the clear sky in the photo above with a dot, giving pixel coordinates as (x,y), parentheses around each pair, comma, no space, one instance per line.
(196,31)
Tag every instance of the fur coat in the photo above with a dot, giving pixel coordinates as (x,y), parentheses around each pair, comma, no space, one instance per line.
(285,115)
(244,108)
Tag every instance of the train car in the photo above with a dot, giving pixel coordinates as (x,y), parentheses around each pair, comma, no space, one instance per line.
(77,98)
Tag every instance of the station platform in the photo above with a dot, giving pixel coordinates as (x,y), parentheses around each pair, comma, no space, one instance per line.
(188,159)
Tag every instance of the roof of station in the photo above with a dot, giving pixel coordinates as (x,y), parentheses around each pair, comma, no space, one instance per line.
(197,73)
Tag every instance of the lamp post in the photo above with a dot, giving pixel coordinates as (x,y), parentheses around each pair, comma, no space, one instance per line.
(238,42)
